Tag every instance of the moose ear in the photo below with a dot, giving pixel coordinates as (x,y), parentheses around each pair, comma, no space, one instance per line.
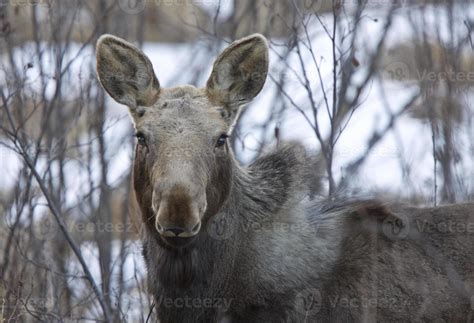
(126,73)
(239,73)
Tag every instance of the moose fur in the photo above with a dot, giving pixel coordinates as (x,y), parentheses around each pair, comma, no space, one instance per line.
(266,251)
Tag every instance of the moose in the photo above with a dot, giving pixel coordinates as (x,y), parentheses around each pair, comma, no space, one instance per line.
(228,243)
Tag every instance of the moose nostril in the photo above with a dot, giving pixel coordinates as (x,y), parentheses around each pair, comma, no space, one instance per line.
(177,231)
(196,228)
(159,227)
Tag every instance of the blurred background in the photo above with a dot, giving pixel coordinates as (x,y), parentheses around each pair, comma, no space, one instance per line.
(380,90)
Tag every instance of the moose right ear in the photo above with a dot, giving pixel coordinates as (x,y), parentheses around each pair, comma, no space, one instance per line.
(239,74)
(126,73)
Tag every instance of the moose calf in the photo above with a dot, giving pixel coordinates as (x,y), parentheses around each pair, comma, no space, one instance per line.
(246,244)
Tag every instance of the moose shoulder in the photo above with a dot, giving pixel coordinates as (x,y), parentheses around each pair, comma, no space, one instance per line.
(233,244)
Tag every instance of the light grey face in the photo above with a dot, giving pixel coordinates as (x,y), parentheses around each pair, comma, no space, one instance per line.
(182,162)
(182,141)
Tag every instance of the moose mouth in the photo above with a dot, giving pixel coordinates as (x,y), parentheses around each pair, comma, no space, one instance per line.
(178,242)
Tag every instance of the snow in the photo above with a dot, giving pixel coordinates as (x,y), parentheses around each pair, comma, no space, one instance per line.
(226,7)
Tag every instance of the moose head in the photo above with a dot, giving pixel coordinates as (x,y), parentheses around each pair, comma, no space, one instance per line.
(183,163)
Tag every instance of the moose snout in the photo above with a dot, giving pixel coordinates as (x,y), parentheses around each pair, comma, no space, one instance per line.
(175,231)
(178,215)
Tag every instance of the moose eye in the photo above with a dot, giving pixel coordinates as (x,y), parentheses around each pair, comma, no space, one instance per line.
(141,138)
(221,141)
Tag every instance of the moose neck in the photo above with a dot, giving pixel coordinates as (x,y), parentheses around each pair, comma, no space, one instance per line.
(268,184)
(256,194)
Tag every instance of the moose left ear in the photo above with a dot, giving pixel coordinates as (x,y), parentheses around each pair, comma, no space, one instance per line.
(126,73)
(239,73)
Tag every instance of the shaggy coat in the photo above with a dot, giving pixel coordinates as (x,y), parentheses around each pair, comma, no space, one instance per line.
(224,243)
